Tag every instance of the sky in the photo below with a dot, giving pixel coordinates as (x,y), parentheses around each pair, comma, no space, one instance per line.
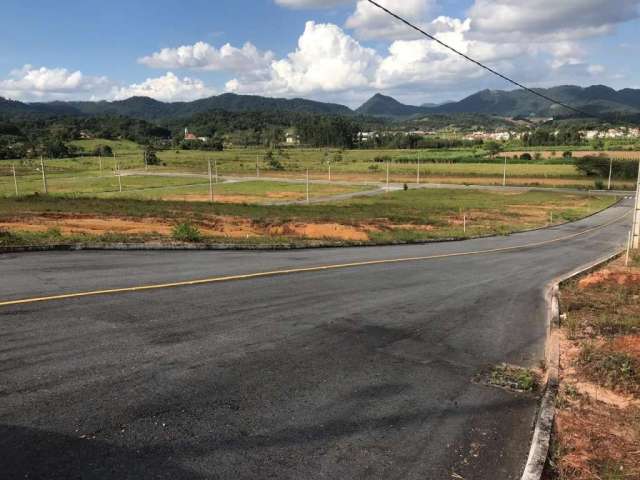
(328,50)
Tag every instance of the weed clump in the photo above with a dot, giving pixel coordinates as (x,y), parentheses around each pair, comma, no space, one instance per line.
(516,378)
(186,232)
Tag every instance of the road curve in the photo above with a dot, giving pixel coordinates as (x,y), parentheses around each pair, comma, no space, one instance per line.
(353,372)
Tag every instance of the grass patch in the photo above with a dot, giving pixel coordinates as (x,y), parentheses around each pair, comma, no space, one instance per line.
(515,378)
(610,368)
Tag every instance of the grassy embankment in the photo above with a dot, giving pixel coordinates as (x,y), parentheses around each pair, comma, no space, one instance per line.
(403,216)
(597,431)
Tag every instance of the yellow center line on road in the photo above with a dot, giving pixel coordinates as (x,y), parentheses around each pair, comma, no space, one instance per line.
(320,268)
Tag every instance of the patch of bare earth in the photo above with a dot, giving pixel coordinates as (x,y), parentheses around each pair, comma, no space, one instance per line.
(225,226)
(597,426)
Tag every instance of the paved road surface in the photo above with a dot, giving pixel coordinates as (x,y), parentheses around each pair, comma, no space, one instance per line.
(362,372)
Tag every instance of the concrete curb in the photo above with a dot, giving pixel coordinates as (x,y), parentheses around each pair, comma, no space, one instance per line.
(541,439)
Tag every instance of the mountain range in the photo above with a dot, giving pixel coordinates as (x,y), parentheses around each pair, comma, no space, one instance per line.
(597,99)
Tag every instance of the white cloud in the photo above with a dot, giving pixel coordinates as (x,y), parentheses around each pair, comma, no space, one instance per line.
(370,22)
(326,60)
(203,56)
(168,88)
(31,83)
(312,3)
(551,19)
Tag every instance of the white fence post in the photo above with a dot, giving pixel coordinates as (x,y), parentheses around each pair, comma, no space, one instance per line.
(15,179)
(44,175)
(210,182)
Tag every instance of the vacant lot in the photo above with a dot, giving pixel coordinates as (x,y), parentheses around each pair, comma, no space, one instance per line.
(403,216)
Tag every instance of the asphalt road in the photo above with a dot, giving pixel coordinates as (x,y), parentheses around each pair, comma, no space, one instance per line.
(363,372)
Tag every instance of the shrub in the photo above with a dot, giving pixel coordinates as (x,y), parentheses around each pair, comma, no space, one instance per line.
(275,164)
(382,158)
(186,232)
(525,156)
(567,154)
(598,184)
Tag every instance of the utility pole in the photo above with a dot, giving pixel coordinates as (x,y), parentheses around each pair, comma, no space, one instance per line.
(610,172)
(307,186)
(636,215)
(15,179)
(100,163)
(504,172)
(144,154)
(418,174)
(329,172)
(215,166)
(257,167)
(210,183)
(44,175)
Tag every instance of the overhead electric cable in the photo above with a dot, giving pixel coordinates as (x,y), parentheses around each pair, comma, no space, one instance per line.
(480,64)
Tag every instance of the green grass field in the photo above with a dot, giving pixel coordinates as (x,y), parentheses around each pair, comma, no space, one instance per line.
(86,175)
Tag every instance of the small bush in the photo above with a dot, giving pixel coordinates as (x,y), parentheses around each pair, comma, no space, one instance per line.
(567,154)
(526,156)
(186,232)
(275,164)
(598,184)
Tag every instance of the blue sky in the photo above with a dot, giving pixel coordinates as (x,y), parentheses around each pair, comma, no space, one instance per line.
(334,50)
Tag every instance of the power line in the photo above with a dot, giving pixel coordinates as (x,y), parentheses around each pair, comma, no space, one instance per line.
(480,64)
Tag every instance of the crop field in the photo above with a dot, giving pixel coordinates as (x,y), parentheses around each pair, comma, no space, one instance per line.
(455,166)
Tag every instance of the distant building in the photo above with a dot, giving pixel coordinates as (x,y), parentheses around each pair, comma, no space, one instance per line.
(188,135)
(291,138)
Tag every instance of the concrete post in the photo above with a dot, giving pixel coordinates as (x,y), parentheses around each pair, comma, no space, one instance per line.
(387,177)
(504,173)
(610,172)
(210,182)
(15,179)
(44,175)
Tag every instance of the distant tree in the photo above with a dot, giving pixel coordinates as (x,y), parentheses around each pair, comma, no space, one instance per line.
(493,148)
(103,151)
(150,155)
